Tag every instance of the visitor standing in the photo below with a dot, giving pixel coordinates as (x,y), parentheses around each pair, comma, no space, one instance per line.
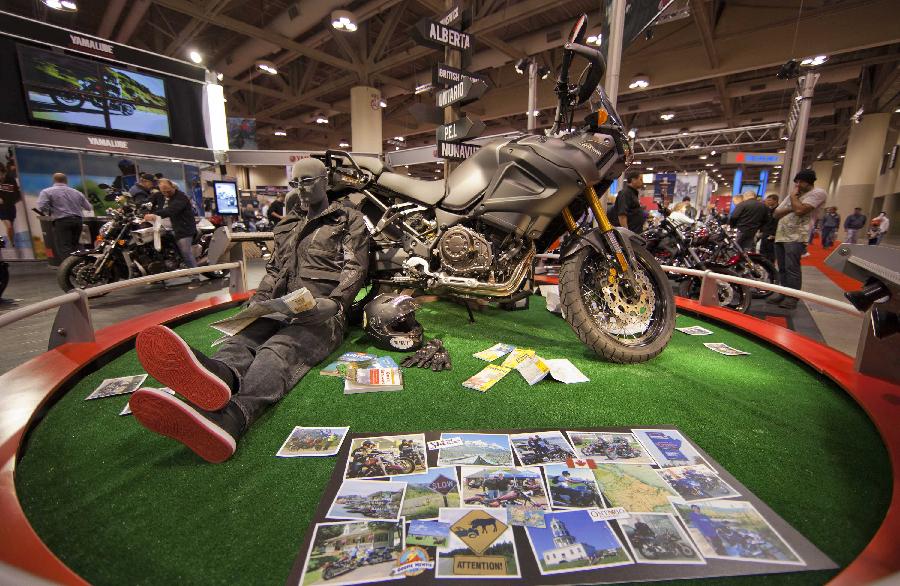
(853,224)
(767,232)
(66,207)
(831,221)
(177,207)
(748,217)
(627,211)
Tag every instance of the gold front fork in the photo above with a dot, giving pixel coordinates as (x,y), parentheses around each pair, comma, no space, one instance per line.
(606,228)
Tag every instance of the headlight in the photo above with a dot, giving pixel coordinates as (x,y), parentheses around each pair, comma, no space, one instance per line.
(105,228)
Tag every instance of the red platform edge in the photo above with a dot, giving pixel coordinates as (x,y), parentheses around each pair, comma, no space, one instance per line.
(27,388)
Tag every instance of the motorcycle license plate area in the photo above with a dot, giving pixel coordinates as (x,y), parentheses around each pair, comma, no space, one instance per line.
(801,448)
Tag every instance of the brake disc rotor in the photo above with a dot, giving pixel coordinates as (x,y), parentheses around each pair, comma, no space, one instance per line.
(630,303)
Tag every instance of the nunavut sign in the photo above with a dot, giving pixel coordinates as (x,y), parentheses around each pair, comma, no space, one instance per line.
(462,93)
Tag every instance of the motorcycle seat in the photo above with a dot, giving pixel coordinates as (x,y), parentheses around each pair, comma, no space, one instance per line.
(427,192)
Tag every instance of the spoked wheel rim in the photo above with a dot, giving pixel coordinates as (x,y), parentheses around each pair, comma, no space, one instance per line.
(629,312)
(82,276)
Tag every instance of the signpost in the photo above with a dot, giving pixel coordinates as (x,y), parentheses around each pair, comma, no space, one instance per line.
(456,151)
(462,93)
(444,75)
(434,34)
(459,130)
(444,486)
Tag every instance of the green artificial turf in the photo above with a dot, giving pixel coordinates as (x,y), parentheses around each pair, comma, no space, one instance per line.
(121,505)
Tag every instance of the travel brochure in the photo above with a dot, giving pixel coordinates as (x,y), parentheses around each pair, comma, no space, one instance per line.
(584,500)
(526,362)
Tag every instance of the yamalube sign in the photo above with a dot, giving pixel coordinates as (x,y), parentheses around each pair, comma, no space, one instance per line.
(438,36)
(462,93)
(459,130)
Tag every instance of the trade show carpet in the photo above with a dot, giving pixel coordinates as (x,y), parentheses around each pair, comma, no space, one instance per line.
(119,504)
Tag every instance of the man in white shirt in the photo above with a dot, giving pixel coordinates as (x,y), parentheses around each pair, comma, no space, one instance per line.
(884,224)
(795,215)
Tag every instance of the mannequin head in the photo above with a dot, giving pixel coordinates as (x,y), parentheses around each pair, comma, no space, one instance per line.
(308,180)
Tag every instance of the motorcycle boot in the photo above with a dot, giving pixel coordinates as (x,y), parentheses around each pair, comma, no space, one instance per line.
(210,435)
(204,381)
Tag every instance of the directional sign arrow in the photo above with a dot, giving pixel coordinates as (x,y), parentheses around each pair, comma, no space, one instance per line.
(459,130)
(456,151)
(434,34)
(464,92)
(444,75)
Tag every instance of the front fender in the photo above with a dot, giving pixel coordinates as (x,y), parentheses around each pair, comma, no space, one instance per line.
(594,239)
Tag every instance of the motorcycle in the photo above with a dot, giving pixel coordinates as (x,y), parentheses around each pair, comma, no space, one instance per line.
(612,451)
(94,90)
(339,567)
(127,247)
(674,240)
(383,464)
(723,248)
(475,234)
(665,546)
(576,495)
(414,456)
(552,454)
(514,496)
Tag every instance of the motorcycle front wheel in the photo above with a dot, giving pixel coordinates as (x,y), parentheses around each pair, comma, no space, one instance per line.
(78,272)
(622,322)
(761,269)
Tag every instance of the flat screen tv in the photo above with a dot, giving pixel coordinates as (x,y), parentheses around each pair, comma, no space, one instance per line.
(226,198)
(61,89)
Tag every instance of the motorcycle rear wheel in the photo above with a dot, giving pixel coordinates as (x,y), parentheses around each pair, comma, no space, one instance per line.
(762,270)
(604,317)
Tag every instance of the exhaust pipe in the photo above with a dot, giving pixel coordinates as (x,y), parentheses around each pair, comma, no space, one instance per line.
(474,286)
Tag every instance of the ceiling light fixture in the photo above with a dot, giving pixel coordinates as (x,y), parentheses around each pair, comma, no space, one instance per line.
(595,39)
(639,82)
(543,72)
(62,5)
(649,168)
(635,162)
(267,67)
(343,144)
(399,138)
(814,61)
(521,65)
(712,152)
(701,157)
(382,104)
(632,133)
(280,132)
(536,113)
(667,116)
(321,119)
(343,20)
(195,56)
(220,76)
(710,164)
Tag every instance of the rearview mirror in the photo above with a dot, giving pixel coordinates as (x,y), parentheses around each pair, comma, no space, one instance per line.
(579,30)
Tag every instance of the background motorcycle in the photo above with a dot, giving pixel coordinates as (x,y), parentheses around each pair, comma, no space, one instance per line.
(673,242)
(127,247)
(475,234)
(722,248)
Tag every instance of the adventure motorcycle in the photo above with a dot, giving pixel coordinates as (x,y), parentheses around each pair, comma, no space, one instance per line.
(95,90)
(672,241)
(127,247)
(723,248)
(514,496)
(551,454)
(414,456)
(339,566)
(618,449)
(475,234)
(576,495)
(383,464)
(665,546)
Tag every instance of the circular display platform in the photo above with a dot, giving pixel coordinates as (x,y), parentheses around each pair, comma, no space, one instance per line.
(117,503)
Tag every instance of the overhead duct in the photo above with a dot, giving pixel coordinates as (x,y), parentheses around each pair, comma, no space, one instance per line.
(110,18)
(296,20)
(132,20)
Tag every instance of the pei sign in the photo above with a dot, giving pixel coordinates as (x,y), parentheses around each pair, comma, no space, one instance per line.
(459,130)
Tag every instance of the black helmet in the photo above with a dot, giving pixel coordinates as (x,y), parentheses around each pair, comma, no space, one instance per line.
(391,321)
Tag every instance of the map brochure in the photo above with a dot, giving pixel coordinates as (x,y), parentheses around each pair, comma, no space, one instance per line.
(117,386)
(364,380)
(695,331)
(360,359)
(494,352)
(565,372)
(487,378)
(293,303)
(516,357)
(533,369)
(725,349)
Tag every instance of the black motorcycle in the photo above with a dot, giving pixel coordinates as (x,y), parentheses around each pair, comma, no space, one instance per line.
(94,92)
(551,454)
(722,248)
(576,495)
(127,247)
(666,546)
(676,244)
(475,234)
(612,451)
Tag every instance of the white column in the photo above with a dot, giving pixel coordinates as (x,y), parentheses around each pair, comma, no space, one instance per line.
(862,162)
(823,171)
(365,120)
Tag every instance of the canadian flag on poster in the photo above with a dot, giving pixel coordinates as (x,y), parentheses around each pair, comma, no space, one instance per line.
(579,463)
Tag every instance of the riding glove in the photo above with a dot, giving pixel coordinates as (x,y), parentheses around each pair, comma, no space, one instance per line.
(440,360)
(426,355)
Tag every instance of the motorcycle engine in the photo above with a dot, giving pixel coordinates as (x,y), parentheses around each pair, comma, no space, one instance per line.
(464,251)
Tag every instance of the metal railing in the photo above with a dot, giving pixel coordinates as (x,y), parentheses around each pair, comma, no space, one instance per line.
(73,321)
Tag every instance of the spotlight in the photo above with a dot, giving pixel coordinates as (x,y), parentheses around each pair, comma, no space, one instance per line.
(267,66)
(712,152)
(537,112)
(632,133)
(195,56)
(521,66)
(639,82)
(280,132)
(61,5)
(396,148)
(635,162)
(321,119)
(710,164)
(220,76)
(649,168)
(343,144)
(595,39)
(701,157)
(814,61)
(399,139)
(667,116)
(543,72)
(789,70)
(343,20)
(382,104)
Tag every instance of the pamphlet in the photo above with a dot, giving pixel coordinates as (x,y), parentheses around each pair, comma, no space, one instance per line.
(695,331)
(117,386)
(360,359)
(368,380)
(487,378)
(494,352)
(293,303)
(533,369)
(565,372)
(725,349)
(517,357)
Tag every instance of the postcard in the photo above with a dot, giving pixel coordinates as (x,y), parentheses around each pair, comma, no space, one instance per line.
(695,331)
(668,447)
(657,538)
(526,516)
(488,449)
(488,377)
(494,352)
(391,455)
(428,533)
(313,441)
(697,483)
(491,486)
(609,447)
(541,446)
(572,488)
(368,499)
(426,493)
(353,553)
(725,349)
(573,542)
(636,487)
(734,530)
(481,545)
(123,385)
(127,409)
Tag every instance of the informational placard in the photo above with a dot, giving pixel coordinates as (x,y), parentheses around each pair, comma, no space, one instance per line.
(742,158)
(226,193)
(460,130)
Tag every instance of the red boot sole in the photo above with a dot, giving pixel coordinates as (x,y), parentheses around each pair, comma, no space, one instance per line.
(168,359)
(164,414)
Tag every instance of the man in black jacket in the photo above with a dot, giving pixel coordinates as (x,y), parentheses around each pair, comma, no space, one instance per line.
(767,232)
(627,210)
(323,247)
(177,207)
(748,217)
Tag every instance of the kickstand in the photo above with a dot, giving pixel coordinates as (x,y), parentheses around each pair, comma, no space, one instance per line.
(469,309)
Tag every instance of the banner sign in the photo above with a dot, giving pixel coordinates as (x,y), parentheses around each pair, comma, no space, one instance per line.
(457,151)
(26,29)
(459,130)
(435,35)
(741,158)
(444,75)
(462,93)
